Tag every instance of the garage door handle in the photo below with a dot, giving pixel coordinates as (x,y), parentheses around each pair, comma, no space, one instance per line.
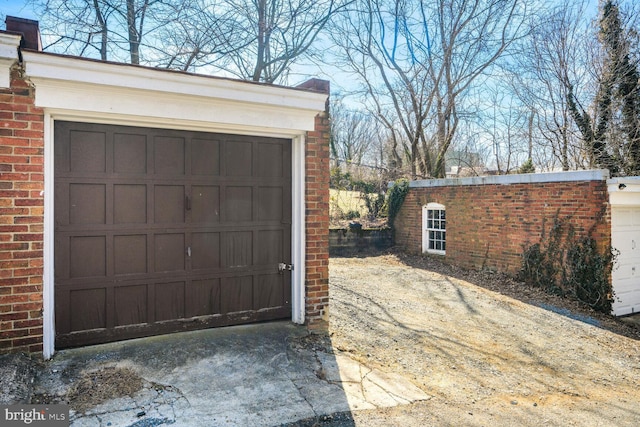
(187,203)
(189,251)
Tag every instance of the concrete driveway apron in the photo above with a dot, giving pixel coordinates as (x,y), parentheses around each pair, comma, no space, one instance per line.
(253,375)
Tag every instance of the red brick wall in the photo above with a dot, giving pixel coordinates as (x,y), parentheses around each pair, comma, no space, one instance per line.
(317,228)
(489,226)
(21,217)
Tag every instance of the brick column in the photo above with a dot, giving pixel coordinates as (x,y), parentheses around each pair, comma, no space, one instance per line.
(317,225)
(21,217)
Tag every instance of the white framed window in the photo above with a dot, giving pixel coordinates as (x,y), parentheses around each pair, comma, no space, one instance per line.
(434,228)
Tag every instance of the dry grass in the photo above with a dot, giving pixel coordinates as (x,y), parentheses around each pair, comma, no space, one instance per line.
(341,202)
(96,387)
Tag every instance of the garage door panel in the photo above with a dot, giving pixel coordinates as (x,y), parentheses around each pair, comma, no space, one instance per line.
(129,204)
(130,254)
(61,263)
(169,155)
(169,252)
(238,204)
(61,198)
(236,294)
(269,291)
(87,204)
(87,151)
(238,249)
(87,256)
(205,205)
(203,298)
(205,251)
(205,157)
(270,203)
(89,309)
(169,301)
(153,226)
(270,160)
(625,237)
(238,158)
(169,204)
(270,244)
(130,305)
(130,153)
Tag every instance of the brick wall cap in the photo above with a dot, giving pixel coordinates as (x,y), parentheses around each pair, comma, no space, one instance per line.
(529,178)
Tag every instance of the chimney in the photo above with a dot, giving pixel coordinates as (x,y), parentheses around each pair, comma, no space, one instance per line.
(317,85)
(29,29)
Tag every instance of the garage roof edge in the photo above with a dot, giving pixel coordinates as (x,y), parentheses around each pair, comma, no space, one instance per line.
(41,65)
(8,56)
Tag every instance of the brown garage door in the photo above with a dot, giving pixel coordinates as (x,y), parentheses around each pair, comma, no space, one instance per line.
(160,231)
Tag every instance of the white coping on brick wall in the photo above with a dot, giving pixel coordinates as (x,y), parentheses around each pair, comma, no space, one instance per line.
(529,178)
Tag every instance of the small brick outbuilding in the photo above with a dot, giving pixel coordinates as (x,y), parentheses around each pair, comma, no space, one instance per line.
(136,201)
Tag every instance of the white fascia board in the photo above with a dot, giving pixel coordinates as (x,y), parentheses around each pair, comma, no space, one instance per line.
(624,191)
(68,84)
(529,178)
(8,56)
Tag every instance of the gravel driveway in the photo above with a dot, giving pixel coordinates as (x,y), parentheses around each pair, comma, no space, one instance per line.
(486,359)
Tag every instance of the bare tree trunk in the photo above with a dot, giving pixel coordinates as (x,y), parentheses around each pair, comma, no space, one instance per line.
(262,30)
(103,30)
(134,40)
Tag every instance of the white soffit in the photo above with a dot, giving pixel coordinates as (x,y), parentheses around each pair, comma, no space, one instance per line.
(69,87)
(8,56)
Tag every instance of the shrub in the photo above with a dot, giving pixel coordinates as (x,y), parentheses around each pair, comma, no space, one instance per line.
(570,266)
(395,199)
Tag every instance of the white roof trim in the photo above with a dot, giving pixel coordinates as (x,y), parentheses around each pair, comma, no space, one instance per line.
(529,178)
(8,56)
(81,87)
(624,191)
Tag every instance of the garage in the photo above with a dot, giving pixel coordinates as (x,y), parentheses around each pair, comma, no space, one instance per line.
(624,196)
(148,201)
(160,231)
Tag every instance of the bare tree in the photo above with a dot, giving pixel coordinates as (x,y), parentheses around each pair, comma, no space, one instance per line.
(202,33)
(355,135)
(276,34)
(419,60)
(256,40)
(109,29)
(555,55)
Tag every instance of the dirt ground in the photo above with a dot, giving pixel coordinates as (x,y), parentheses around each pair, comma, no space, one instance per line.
(484,357)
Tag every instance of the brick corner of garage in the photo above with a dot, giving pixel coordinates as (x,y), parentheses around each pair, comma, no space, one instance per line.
(21,217)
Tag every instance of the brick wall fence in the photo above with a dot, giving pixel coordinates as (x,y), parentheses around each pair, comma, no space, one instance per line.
(21,217)
(491,220)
